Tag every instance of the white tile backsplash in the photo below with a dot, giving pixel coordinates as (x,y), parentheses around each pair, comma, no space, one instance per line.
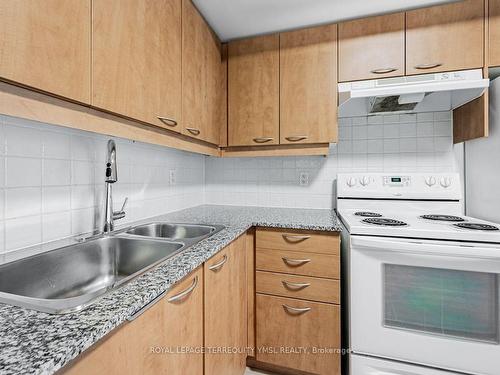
(52,178)
(409,142)
(54,181)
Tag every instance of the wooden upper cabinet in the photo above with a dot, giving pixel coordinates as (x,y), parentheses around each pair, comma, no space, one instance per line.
(445,38)
(226,309)
(46,45)
(176,321)
(136,60)
(253,91)
(494,37)
(308,85)
(372,48)
(203,78)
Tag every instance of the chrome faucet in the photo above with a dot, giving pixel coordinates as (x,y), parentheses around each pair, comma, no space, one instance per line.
(111,177)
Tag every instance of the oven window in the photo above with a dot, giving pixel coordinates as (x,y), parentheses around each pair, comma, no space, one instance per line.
(440,301)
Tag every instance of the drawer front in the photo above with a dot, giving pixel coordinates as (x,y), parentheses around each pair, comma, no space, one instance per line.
(298,263)
(307,241)
(303,287)
(284,323)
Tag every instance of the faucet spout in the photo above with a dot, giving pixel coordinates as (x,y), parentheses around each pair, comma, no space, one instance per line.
(111,177)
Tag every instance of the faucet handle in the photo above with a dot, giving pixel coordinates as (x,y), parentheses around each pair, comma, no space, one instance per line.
(124,204)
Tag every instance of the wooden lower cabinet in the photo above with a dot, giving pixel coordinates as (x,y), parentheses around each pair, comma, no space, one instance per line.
(300,287)
(297,334)
(226,310)
(298,263)
(149,344)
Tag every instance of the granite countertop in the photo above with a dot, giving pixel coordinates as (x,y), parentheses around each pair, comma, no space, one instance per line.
(32,342)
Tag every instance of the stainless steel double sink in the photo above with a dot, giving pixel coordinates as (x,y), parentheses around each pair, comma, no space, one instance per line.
(73,277)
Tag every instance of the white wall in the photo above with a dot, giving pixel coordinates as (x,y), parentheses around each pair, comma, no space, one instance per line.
(410,143)
(52,181)
(482,166)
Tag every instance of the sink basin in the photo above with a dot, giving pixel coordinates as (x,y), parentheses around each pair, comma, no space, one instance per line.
(174,231)
(70,278)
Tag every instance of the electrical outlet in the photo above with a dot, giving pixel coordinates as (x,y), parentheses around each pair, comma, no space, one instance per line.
(303,179)
(172,177)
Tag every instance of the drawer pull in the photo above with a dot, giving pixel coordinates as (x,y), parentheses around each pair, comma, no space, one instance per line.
(193,131)
(263,139)
(295,237)
(383,70)
(185,293)
(295,262)
(427,66)
(296,310)
(167,121)
(295,286)
(219,265)
(296,138)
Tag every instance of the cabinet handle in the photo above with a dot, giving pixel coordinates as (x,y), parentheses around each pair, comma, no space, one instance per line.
(427,66)
(193,131)
(263,139)
(218,266)
(167,121)
(296,310)
(383,70)
(296,138)
(295,262)
(295,237)
(184,293)
(295,286)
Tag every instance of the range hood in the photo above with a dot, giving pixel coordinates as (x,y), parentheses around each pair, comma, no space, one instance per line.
(412,94)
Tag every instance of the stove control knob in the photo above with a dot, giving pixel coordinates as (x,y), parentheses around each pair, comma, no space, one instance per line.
(365,181)
(430,181)
(351,181)
(445,182)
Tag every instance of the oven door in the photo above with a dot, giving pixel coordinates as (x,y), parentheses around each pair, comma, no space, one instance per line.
(434,303)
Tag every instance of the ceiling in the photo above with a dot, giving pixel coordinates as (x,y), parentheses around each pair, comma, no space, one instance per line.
(233,19)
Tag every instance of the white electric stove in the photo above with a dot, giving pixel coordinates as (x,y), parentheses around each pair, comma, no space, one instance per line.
(422,279)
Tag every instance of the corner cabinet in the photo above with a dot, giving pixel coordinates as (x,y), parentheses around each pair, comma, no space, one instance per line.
(226,310)
(150,344)
(361,42)
(136,60)
(445,38)
(203,78)
(308,85)
(46,45)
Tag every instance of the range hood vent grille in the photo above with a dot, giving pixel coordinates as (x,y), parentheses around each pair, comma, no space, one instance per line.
(389,104)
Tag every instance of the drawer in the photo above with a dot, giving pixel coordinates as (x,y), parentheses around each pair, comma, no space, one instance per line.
(303,287)
(285,323)
(295,240)
(298,263)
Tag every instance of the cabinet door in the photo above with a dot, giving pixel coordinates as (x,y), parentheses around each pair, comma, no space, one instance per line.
(149,344)
(202,76)
(225,310)
(372,48)
(445,37)
(291,323)
(494,27)
(136,60)
(46,45)
(253,91)
(308,85)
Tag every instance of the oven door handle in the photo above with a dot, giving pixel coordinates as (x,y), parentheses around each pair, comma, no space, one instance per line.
(423,248)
